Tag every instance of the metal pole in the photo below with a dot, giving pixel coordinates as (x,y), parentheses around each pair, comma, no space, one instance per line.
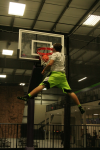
(45,127)
(67,104)
(30,123)
(84,127)
(53,136)
(62,120)
(49,125)
(36,78)
(17,136)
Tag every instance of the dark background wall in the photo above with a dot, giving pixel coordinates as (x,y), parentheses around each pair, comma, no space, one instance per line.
(11,109)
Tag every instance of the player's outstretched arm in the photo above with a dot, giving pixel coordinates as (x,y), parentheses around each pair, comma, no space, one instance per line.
(48,66)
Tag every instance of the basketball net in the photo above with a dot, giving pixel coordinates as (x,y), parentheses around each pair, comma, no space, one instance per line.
(50,51)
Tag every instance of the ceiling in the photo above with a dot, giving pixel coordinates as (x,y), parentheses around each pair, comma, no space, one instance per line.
(66,16)
(54,16)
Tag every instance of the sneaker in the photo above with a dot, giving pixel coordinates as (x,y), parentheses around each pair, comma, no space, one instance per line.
(81,110)
(25,98)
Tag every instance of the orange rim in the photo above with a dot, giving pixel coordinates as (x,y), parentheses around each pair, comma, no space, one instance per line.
(44,48)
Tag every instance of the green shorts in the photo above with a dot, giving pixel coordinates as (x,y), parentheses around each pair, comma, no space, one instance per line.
(57,79)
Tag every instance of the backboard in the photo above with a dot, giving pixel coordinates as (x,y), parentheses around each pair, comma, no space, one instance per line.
(30,41)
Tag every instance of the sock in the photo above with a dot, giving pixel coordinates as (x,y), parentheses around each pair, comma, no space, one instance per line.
(79,105)
(29,95)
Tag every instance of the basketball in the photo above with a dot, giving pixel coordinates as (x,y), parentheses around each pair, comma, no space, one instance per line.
(45,58)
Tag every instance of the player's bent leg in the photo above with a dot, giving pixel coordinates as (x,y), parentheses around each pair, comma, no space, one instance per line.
(32,93)
(37,90)
(76,100)
(74,97)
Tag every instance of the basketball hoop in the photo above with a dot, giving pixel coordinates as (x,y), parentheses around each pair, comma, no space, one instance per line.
(44,54)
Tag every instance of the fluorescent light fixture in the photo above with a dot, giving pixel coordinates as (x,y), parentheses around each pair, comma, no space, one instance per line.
(16,9)
(7,52)
(82,79)
(2,76)
(22,84)
(92,20)
(44,89)
(95,114)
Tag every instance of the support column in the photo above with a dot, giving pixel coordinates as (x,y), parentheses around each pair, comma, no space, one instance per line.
(36,74)
(78,127)
(49,125)
(62,120)
(67,102)
(30,124)
(84,127)
(45,126)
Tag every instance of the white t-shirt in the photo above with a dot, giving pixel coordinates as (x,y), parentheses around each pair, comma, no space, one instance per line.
(59,62)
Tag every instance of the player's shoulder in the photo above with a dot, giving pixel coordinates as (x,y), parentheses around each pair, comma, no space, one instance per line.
(56,53)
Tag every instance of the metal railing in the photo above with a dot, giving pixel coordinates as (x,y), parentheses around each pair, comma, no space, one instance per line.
(42,124)
(50,136)
(60,104)
(85,96)
(55,106)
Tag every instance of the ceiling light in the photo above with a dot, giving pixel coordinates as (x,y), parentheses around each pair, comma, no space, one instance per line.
(88,108)
(16,9)
(82,79)
(7,52)
(95,114)
(92,20)
(75,110)
(22,84)
(2,76)
(57,113)
(44,89)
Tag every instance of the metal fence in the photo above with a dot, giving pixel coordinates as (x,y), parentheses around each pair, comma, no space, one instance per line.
(49,136)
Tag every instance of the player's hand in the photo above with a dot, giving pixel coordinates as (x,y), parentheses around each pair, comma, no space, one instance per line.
(43,72)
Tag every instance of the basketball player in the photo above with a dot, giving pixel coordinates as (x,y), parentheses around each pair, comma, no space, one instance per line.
(56,77)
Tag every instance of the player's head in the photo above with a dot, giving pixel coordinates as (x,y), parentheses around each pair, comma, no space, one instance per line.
(57,47)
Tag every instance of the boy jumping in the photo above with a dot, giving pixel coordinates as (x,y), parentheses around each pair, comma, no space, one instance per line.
(56,77)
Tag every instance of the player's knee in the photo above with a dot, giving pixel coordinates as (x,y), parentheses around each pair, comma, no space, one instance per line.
(68,91)
(47,85)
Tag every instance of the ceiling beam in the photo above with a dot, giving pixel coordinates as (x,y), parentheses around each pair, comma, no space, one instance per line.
(15,79)
(92,58)
(14,71)
(79,68)
(2,70)
(38,13)
(82,18)
(74,41)
(18,63)
(95,27)
(15,30)
(85,45)
(12,21)
(63,11)
(80,55)
(28,65)
(82,69)
(24,72)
